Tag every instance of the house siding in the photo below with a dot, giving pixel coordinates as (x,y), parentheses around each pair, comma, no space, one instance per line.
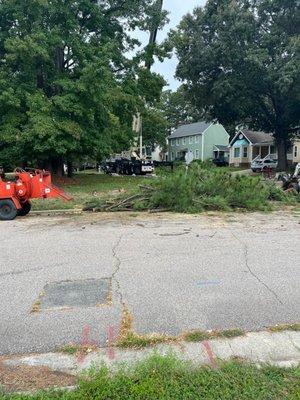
(188,143)
(214,135)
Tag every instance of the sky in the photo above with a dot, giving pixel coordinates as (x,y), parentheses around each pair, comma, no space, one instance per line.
(177,9)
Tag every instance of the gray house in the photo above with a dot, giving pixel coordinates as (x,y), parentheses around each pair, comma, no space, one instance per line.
(205,140)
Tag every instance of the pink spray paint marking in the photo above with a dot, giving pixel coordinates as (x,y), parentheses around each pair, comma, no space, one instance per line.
(210,353)
(85,342)
(110,341)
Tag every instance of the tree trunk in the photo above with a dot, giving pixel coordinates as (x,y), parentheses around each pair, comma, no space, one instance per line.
(282,154)
(57,166)
(70,169)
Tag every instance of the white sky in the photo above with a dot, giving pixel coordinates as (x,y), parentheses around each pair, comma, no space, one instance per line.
(177,9)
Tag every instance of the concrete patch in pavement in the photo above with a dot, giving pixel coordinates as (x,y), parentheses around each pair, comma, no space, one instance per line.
(74,294)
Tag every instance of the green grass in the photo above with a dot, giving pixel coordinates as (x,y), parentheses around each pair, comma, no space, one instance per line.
(88,187)
(135,341)
(285,327)
(69,349)
(168,378)
(198,335)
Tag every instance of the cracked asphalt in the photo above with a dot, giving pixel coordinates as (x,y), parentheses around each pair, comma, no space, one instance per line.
(172,272)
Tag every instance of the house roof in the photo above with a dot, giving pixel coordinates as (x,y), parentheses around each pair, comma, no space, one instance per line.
(258,137)
(221,147)
(191,129)
(255,137)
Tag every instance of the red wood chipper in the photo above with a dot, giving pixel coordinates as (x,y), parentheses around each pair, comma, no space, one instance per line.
(28,184)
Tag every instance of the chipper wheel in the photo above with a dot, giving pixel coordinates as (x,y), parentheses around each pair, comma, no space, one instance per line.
(8,210)
(26,207)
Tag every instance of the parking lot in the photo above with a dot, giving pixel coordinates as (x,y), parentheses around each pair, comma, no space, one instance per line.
(67,279)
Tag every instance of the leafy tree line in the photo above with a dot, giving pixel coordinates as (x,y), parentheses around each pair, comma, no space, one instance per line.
(67,87)
(239,61)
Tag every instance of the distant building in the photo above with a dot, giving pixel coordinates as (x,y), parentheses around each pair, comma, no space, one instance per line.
(205,140)
(248,145)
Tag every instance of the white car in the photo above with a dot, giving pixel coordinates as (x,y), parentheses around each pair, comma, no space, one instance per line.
(260,165)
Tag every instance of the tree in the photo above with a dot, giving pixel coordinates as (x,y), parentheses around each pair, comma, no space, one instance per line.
(240,62)
(67,88)
(177,108)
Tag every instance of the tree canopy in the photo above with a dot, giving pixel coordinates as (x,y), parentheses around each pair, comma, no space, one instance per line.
(67,85)
(240,63)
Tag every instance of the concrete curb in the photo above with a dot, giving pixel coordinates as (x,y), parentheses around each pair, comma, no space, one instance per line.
(275,348)
(56,212)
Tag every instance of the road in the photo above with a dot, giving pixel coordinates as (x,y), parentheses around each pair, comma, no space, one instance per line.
(172,273)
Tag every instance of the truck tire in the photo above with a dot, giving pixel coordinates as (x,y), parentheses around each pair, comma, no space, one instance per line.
(26,207)
(8,210)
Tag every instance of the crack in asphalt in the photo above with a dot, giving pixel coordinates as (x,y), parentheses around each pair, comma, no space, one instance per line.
(20,272)
(118,263)
(246,257)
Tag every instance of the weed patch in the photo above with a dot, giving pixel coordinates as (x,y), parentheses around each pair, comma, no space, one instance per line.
(199,336)
(285,327)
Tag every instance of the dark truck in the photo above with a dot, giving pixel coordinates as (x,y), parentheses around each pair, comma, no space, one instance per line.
(124,166)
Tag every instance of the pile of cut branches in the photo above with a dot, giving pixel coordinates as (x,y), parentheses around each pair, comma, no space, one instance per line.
(200,189)
(123,202)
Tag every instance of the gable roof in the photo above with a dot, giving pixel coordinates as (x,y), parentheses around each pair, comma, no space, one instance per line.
(255,137)
(191,129)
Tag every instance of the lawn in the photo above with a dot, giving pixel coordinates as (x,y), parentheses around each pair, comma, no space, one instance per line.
(168,378)
(88,186)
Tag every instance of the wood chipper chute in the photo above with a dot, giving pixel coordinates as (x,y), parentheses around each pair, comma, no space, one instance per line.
(15,195)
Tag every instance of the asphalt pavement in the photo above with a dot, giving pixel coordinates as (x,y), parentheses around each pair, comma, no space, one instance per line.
(173,273)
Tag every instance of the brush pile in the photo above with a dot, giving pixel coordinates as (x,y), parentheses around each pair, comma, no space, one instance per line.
(198,190)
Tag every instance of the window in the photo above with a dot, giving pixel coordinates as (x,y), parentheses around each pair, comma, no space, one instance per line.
(196,139)
(183,140)
(245,152)
(191,139)
(172,156)
(172,141)
(197,154)
(296,151)
(177,142)
(236,152)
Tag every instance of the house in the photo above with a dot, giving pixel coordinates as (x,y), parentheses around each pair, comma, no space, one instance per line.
(248,145)
(221,152)
(205,140)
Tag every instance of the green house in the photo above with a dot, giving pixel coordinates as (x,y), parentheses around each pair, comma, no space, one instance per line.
(205,140)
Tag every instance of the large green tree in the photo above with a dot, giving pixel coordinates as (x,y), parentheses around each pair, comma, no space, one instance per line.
(240,63)
(67,88)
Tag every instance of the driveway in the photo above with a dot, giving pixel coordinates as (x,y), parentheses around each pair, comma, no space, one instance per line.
(69,279)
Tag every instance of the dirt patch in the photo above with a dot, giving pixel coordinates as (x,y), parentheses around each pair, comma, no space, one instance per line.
(25,378)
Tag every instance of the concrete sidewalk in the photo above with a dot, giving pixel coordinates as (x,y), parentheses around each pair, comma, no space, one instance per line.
(276,348)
